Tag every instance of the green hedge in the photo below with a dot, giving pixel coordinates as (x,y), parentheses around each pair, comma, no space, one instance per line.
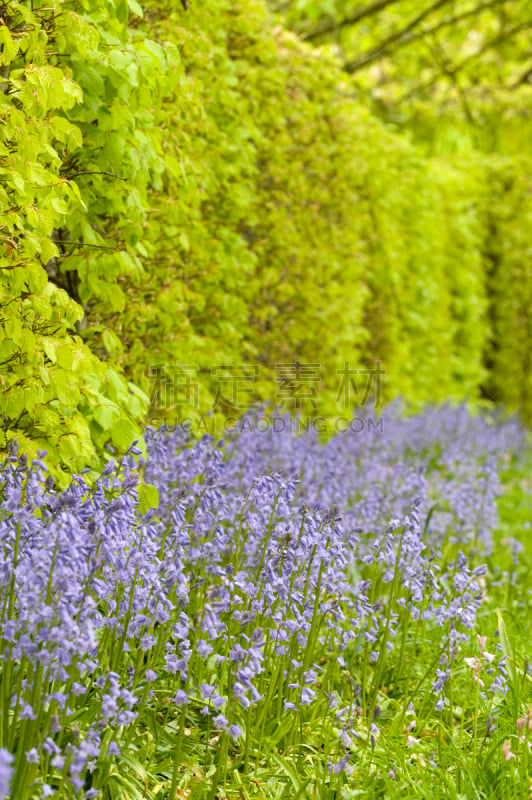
(507,256)
(199,188)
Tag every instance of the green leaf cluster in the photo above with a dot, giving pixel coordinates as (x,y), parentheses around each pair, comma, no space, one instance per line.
(64,133)
(200,188)
(293,225)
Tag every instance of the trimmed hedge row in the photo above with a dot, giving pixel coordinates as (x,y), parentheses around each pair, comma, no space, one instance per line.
(199,188)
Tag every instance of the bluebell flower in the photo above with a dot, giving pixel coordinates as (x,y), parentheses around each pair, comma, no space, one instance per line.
(6,772)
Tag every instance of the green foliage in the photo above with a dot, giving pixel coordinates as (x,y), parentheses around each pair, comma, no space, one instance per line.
(292,225)
(509,277)
(61,124)
(201,188)
(456,74)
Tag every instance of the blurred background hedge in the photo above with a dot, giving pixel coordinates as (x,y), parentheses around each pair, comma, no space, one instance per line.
(203,187)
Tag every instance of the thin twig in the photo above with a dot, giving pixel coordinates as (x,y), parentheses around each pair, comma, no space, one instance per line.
(378,50)
(89,172)
(407,35)
(85,244)
(331,25)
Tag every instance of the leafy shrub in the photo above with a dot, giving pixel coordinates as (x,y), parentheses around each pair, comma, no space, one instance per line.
(199,188)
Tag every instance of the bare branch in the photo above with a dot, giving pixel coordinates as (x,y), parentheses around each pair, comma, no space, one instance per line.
(85,244)
(409,36)
(526,77)
(446,68)
(331,25)
(445,23)
(377,51)
(502,37)
(91,172)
